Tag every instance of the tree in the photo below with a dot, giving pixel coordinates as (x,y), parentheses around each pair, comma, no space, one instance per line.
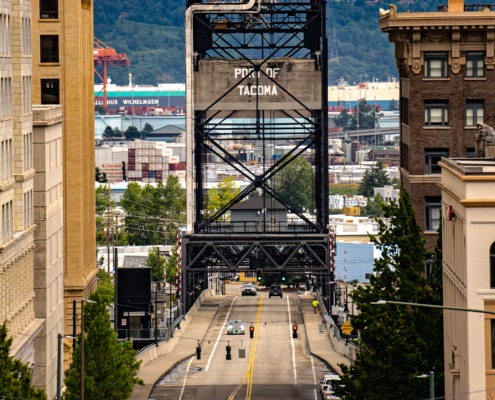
(393,105)
(157,264)
(132,133)
(110,367)
(221,195)
(374,208)
(147,129)
(295,182)
(108,133)
(100,110)
(15,376)
(100,176)
(394,345)
(372,178)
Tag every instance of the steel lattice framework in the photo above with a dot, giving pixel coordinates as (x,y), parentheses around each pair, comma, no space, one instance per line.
(256,83)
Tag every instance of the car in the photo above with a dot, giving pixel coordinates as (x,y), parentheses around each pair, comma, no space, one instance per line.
(236,327)
(326,390)
(249,290)
(275,290)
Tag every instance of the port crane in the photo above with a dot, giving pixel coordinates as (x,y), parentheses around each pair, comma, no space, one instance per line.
(105,56)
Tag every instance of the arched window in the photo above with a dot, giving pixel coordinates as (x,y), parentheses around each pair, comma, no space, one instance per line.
(492,266)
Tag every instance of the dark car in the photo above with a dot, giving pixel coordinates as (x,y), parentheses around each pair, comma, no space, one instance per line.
(249,290)
(275,290)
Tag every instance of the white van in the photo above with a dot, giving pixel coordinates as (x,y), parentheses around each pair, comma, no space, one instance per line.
(326,385)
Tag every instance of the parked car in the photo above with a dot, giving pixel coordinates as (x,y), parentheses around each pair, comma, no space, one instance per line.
(249,289)
(235,327)
(275,290)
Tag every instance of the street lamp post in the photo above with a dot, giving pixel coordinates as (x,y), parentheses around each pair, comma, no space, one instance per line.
(404,303)
(59,364)
(431,375)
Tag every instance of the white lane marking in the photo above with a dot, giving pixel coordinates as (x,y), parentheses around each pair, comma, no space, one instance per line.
(219,337)
(185,378)
(292,344)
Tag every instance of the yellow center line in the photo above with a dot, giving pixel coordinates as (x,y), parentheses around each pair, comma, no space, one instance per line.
(249,373)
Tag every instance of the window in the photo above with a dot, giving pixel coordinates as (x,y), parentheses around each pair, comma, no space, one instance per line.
(48,9)
(5,30)
(475,64)
(28,151)
(432,213)
(432,158)
(49,48)
(436,65)
(50,93)
(28,209)
(436,113)
(470,152)
(7,221)
(492,266)
(6,159)
(475,112)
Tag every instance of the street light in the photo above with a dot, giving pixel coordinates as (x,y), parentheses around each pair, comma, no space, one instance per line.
(431,375)
(59,364)
(403,303)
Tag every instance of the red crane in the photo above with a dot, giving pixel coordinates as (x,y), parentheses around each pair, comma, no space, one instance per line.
(106,55)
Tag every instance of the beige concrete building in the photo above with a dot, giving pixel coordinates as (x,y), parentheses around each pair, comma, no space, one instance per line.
(48,239)
(62,33)
(17,240)
(468,222)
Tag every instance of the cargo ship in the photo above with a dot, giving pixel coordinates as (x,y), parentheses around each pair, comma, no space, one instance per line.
(170,98)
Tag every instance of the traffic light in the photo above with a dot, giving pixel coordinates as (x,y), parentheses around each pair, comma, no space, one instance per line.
(259,275)
(251,332)
(283,277)
(294,331)
(229,355)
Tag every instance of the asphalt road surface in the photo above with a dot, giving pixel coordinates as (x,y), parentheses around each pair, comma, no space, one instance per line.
(271,365)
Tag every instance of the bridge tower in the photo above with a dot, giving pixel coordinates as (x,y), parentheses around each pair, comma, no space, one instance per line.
(257,104)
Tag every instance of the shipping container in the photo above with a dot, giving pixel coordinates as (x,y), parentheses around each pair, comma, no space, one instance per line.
(146,166)
(131,166)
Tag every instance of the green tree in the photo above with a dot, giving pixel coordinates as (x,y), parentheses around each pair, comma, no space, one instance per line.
(171,267)
(105,207)
(110,367)
(344,120)
(100,110)
(394,345)
(221,195)
(108,133)
(15,376)
(100,176)
(295,183)
(393,105)
(374,207)
(372,178)
(157,264)
(132,133)
(147,129)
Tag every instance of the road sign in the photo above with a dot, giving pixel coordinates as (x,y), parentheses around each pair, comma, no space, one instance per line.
(347,328)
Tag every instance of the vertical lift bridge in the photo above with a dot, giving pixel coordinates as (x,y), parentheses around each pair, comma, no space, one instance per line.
(257,101)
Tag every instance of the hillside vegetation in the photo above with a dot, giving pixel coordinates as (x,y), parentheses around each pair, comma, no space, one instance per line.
(151,33)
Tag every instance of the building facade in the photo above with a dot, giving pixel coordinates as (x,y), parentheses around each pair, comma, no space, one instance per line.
(468,226)
(48,239)
(17,286)
(62,59)
(446,63)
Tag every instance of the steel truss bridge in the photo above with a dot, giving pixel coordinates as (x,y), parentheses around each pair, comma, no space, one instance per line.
(256,77)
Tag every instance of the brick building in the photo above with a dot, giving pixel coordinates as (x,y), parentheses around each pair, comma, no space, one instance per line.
(446,63)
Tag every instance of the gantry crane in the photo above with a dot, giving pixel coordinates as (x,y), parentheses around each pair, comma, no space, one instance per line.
(103,55)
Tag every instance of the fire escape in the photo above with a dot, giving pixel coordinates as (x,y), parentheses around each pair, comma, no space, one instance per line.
(256,87)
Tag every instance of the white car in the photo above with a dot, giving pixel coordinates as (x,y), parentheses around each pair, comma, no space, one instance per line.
(236,327)
(326,390)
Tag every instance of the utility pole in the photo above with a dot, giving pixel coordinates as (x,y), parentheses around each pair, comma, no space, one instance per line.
(108,229)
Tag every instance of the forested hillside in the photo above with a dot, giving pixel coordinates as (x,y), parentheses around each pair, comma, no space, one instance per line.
(152,35)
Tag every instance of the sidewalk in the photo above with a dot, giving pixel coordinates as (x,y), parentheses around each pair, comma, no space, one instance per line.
(158,361)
